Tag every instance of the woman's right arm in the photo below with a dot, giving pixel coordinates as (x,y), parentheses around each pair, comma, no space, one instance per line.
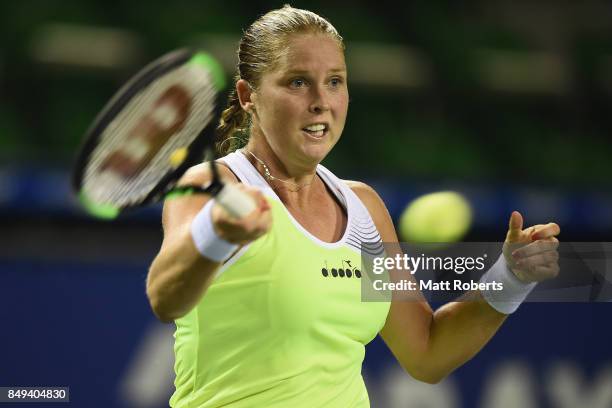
(180,274)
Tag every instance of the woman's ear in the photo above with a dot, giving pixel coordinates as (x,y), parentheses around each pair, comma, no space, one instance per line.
(246,95)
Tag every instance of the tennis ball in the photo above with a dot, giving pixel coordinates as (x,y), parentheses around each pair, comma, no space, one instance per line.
(444,216)
(177,157)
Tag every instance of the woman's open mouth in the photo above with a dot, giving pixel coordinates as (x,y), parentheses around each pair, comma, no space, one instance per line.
(317,130)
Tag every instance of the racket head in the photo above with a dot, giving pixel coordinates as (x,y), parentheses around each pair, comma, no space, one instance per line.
(152,130)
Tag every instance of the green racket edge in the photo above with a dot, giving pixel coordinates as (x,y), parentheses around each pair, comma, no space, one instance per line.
(212,65)
(109,212)
(183,191)
(105,211)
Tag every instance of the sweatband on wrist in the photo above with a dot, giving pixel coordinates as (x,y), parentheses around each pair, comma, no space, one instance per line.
(514,291)
(206,240)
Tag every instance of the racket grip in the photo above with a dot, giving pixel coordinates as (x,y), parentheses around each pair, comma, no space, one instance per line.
(235,201)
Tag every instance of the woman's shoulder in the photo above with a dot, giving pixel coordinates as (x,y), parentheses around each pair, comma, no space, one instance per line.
(201,174)
(368,196)
(376,207)
(366,193)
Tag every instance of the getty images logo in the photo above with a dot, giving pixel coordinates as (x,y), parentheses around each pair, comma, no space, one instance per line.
(346,270)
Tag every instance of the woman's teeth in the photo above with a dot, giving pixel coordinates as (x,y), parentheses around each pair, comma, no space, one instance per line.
(316,130)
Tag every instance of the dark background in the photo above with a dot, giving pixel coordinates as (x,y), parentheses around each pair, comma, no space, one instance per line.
(506,102)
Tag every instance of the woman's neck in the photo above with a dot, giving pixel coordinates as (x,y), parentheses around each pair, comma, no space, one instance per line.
(293,184)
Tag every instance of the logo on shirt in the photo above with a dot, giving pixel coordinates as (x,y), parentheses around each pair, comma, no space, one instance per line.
(346,270)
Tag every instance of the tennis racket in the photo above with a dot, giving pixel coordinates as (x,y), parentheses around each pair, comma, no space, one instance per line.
(161,122)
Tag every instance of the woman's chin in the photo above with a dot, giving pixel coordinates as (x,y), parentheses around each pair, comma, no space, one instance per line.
(317,149)
(316,153)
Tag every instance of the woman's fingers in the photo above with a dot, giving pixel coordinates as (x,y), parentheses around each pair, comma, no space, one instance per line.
(537,261)
(542,245)
(543,258)
(246,229)
(546,231)
(515,227)
(532,253)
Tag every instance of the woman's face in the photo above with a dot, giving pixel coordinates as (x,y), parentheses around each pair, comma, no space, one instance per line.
(300,107)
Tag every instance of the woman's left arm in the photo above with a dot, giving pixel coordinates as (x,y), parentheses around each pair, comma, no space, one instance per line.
(430,345)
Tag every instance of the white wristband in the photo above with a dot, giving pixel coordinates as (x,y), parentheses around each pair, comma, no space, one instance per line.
(206,240)
(514,291)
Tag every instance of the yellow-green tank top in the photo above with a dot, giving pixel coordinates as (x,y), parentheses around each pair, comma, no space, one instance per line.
(283,324)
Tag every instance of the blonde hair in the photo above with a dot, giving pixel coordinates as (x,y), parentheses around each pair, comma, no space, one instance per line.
(260,49)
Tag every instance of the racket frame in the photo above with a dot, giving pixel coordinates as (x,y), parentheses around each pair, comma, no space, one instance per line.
(203,141)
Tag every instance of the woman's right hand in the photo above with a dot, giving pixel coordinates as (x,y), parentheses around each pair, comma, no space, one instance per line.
(247,229)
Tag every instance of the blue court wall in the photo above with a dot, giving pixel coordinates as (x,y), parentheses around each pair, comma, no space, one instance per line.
(88,326)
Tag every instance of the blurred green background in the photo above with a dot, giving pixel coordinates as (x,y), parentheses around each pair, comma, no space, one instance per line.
(479,90)
(507,102)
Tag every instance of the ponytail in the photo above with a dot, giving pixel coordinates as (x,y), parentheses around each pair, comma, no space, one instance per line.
(232,132)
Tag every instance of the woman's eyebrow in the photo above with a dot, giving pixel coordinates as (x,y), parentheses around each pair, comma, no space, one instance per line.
(305,72)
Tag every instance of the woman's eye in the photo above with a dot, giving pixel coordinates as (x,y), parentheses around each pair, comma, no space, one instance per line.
(335,81)
(298,83)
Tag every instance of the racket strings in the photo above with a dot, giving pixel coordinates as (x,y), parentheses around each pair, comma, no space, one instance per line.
(107,185)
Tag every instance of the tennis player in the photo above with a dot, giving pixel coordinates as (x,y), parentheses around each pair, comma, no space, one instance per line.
(263,316)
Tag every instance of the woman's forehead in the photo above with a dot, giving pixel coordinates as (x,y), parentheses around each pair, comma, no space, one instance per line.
(308,52)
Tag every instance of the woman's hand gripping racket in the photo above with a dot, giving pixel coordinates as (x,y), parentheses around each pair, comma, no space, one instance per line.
(157,125)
